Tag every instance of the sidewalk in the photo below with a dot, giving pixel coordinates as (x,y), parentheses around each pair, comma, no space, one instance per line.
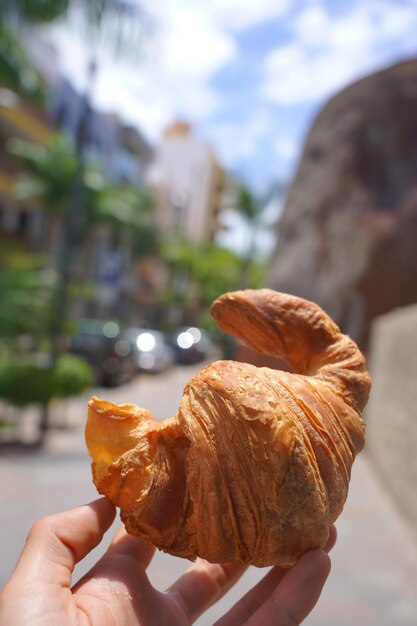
(374,573)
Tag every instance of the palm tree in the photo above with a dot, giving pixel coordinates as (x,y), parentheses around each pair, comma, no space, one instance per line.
(33,292)
(116,14)
(250,208)
(16,71)
(50,172)
(26,287)
(61,178)
(199,272)
(117,24)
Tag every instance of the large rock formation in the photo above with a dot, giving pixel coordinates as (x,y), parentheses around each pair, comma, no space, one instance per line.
(348,234)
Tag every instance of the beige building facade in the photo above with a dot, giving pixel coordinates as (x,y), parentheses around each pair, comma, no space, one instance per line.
(188,182)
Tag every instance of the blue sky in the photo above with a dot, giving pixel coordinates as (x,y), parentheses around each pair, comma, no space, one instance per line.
(249,74)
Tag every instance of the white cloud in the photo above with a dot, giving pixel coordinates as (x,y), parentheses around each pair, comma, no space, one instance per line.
(238,141)
(239,14)
(295,75)
(232,15)
(326,53)
(186,51)
(287,148)
(191,45)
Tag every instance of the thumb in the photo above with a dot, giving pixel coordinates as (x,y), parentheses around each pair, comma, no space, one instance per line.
(57,542)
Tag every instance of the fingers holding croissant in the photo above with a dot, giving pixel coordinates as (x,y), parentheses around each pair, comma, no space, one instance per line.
(256,464)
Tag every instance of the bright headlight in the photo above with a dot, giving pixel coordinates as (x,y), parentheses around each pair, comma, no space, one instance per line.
(185,340)
(146,342)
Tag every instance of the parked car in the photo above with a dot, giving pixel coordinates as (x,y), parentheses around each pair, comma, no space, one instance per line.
(108,351)
(191,345)
(151,350)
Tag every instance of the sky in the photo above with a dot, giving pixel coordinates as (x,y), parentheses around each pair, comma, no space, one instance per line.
(249,74)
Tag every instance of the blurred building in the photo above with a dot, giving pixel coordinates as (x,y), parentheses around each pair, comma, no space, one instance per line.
(131,153)
(121,149)
(27,121)
(118,148)
(124,154)
(188,183)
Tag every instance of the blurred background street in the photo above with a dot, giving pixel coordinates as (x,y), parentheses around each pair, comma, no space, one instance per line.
(154,155)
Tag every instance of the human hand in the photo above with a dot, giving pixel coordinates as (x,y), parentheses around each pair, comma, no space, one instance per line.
(117,590)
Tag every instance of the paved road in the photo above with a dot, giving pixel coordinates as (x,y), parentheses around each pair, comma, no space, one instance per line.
(374,574)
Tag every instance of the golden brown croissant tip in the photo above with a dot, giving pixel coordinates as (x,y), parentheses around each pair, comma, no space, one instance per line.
(108,409)
(256,463)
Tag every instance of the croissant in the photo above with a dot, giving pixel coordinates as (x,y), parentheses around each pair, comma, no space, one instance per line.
(256,464)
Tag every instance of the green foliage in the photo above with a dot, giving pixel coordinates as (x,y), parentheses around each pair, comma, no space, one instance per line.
(121,26)
(199,274)
(34,11)
(27,290)
(51,171)
(181,255)
(217,271)
(93,12)
(51,174)
(23,381)
(250,207)
(256,273)
(71,375)
(16,71)
(126,209)
(247,204)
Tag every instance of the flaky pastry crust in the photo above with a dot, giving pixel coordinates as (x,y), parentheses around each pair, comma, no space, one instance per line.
(256,463)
